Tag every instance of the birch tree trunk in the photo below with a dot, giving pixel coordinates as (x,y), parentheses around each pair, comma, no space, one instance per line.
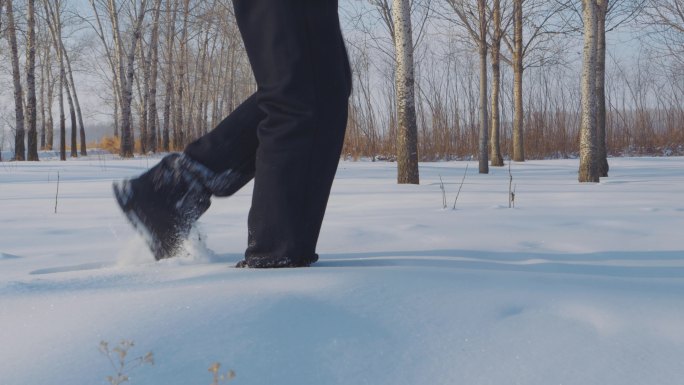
(483,151)
(77,105)
(517,58)
(62,81)
(496,158)
(19,137)
(113,65)
(179,132)
(172,10)
(53,9)
(144,103)
(407,139)
(154,64)
(126,61)
(72,115)
(588,169)
(31,103)
(50,129)
(2,5)
(117,114)
(602,151)
(125,149)
(41,103)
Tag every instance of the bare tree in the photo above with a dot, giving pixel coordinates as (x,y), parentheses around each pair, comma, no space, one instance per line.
(531,45)
(609,16)
(407,146)
(496,158)
(602,151)
(474,21)
(667,18)
(518,52)
(53,12)
(153,66)
(19,137)
(144,96)
(125,59)
(482,48)
(77,105)
(48,123)
(2,4)
(588,169)
(178,122)
(32,132)
(169,102)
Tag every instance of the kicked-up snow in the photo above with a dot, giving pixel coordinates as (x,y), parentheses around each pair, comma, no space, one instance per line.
(578,284)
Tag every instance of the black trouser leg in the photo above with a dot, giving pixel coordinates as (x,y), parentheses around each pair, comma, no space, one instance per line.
(300,64)
(231,146)
(297,54)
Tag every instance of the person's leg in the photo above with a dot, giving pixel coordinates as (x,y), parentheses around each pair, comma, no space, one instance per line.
(230,147)
(299,61)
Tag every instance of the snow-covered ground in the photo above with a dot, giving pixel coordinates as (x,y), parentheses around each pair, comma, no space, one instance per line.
(579,284)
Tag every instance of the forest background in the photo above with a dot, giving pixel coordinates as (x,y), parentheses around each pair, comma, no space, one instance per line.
(179,67)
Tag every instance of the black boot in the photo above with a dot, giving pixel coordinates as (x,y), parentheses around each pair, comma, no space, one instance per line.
(164,202)
(273,263)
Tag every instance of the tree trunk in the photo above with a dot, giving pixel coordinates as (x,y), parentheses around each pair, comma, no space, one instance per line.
(172,10)
(112,60)
(588,169)
(496,158)
(179,118)
(602,151)
(154,64)
(19,147)
(31,103)
(43,80)
(518,138)
(52,12)
(62,116)
(144,105)
(77,105)
(407,138)
(126,60)
(117,103)
(50,129)
(2,4)
(72,116)
(483,151)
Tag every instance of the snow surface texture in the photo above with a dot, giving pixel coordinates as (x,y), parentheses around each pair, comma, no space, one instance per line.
(579,284)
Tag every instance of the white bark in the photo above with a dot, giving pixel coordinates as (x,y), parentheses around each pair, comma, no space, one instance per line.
(407,146)
(53,13)
(179,116)
(517,58)
(484,141)
(172,12)
(77,105)
(588,170)
(154,65)
(19,146)
(602,11)
(125,59)
(31,103)
(495,146)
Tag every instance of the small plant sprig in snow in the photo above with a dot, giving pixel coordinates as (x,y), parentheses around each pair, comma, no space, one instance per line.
(218,377)
(121,365)
(465,173)
(511,188)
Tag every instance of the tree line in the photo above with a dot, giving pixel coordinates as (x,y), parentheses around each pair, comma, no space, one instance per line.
(433,79)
